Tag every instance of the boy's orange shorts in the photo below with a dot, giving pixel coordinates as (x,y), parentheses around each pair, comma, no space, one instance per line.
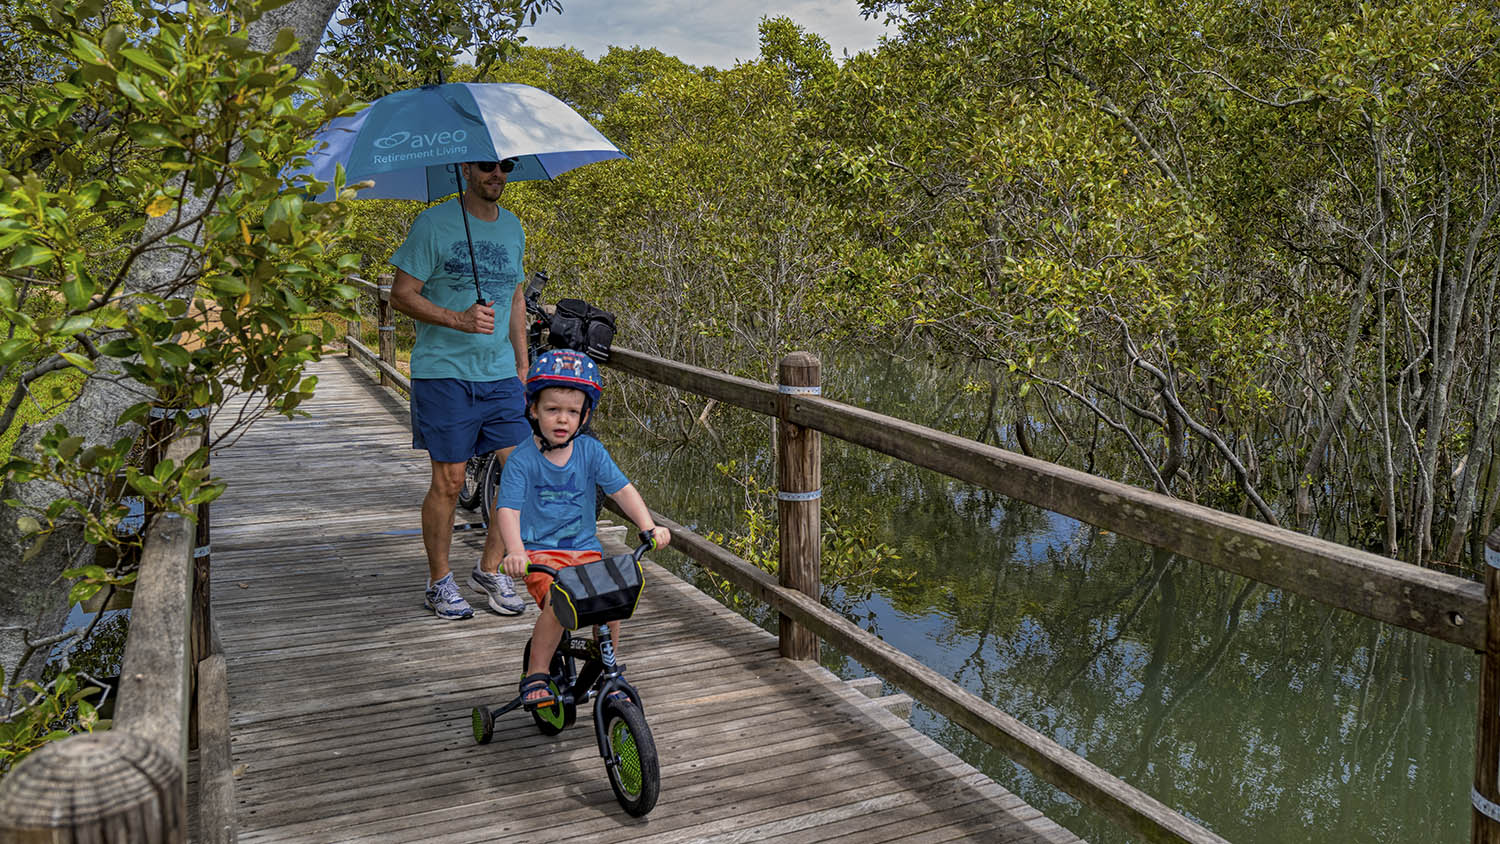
(538,584)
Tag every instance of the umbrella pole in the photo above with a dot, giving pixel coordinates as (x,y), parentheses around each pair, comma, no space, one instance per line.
(464,212)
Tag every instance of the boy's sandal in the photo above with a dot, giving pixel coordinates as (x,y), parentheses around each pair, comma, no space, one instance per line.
(534,682)
(619,696)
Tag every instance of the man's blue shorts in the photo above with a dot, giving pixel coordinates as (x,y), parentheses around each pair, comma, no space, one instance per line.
(454,419)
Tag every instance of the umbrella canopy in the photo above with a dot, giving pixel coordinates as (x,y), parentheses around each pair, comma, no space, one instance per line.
(407,142)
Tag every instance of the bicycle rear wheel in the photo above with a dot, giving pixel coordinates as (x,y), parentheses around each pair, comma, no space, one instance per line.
(551,720)
(634,771)
(489,490)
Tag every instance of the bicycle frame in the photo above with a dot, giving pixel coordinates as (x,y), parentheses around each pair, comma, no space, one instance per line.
(600,676)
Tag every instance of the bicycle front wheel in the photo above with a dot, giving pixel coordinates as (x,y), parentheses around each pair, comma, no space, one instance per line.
(634,772)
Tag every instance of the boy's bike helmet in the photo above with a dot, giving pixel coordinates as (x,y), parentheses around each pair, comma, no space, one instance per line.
(564,368)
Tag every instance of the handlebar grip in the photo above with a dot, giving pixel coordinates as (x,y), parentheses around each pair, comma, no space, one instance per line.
(647,538)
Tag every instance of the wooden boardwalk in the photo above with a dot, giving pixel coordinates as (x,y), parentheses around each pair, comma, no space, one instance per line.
(349,703)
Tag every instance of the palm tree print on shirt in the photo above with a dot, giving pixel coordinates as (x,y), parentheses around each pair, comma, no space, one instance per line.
(497,273)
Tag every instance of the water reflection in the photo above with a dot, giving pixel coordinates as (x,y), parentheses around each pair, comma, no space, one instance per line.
(1267,717)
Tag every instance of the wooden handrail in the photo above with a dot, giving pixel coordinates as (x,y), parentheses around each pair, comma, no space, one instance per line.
(130,782)
(368,285)
(1121,802)
(1440,605)
(386,370)
(156,670)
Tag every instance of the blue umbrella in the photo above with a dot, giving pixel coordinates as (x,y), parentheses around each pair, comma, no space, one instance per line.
(406,142)
(410,143)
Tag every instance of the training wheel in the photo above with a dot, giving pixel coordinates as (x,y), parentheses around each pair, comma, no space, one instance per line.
(484,725)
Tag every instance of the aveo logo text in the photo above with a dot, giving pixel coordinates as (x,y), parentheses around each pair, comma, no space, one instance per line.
(421,141)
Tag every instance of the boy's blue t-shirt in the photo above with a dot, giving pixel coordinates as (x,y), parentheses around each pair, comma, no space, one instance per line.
(557,502)
(436,251)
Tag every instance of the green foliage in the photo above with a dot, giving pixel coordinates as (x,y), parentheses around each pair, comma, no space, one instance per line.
(68,700)
(385,47)
(147,236)
(39,714)
(156,240)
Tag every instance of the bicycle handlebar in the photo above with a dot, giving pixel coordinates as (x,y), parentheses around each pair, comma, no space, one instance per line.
(648,543)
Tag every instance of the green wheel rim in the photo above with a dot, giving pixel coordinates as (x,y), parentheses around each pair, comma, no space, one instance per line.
(478,723)
(553,712)
(622,742)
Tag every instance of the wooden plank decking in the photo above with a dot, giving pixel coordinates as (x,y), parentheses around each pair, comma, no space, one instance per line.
(349,703)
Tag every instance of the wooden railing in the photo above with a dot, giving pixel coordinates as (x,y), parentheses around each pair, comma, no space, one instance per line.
(384,360)
(1441,606)
(129,783)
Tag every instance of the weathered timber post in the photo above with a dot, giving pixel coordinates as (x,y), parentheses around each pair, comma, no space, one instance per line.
(1485,826)
(799,473)
(357,325)
(387,329)
(201,643)
(108,786)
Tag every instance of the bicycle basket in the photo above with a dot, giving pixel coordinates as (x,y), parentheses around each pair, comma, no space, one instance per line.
(593,593)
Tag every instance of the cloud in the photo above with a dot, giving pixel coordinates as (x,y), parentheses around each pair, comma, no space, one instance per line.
(717,34)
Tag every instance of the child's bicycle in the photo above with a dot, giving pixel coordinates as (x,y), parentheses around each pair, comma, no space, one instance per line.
(619,718)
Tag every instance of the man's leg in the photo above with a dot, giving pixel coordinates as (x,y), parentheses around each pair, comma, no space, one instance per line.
(442,595)
(437,516)
(443,425)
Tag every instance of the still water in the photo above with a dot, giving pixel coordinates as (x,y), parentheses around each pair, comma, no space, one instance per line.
(1266,717)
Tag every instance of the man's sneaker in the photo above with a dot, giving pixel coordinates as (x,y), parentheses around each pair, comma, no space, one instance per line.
(499,588)
(443,598)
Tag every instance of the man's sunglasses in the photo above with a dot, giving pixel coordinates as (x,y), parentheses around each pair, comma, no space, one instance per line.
(505,166)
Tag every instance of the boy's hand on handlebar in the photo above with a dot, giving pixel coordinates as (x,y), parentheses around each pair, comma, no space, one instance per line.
(515,564)
(660,537)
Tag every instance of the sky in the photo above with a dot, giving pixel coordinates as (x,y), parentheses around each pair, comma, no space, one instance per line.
(701,33)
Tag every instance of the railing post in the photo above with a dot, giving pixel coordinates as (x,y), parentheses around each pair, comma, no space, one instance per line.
(1485,828)
(799,473)
(106,786)
(357,325)
(387,329)
(201,643)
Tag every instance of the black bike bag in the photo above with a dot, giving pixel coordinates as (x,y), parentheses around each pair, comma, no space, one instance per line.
(579,326)
(593,593)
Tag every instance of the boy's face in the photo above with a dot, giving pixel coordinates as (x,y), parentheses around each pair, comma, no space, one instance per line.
(558,412)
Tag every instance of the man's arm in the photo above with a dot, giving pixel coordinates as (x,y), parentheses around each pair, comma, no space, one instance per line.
(518,320)
(406,297)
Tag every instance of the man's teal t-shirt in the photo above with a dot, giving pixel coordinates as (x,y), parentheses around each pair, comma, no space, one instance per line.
(557,502)
(437,253)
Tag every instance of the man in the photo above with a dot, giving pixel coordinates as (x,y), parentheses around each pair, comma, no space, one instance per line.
(466,396)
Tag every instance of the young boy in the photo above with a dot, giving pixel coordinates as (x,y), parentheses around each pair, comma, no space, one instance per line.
(546,504)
